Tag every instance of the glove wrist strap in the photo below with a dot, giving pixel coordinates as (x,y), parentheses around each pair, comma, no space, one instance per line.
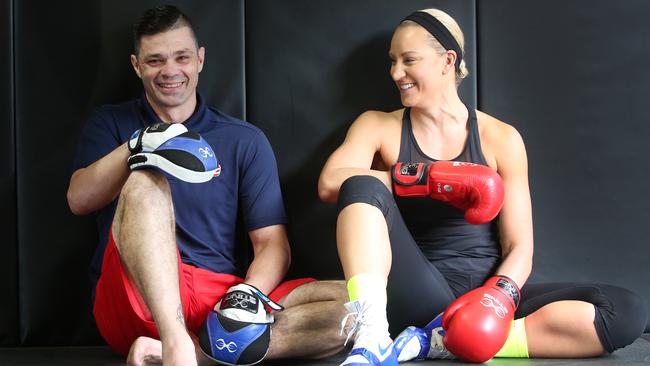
(507,285)
(410,179)
(265,299)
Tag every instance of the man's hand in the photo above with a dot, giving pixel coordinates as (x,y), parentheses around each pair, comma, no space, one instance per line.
(148,139)
(238,331)
(174,150)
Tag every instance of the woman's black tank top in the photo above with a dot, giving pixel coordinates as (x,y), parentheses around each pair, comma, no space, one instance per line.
(439,229)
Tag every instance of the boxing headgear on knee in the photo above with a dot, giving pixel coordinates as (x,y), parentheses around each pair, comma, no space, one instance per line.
(174,150)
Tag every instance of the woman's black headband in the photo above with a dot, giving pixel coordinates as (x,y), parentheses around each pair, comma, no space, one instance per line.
(439,31)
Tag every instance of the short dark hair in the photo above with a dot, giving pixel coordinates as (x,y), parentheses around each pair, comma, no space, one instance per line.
(157,20)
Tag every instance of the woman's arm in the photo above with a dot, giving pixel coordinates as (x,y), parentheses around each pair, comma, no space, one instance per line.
(515,219)
(354,156)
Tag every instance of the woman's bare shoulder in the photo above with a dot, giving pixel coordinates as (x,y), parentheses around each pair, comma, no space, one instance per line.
(494,130)
(374,117)
(500,141)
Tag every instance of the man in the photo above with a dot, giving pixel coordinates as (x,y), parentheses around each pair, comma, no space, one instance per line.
(167,246)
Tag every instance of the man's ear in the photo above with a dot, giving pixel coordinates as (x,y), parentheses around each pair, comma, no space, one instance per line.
(136,65)
(201,55)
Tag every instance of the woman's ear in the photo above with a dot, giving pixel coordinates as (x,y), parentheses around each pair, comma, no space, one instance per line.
(450,60)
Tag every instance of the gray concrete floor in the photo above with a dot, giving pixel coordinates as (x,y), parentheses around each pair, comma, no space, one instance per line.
(638,353)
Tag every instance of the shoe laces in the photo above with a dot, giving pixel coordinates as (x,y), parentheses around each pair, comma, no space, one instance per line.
(356,310)
(438,349)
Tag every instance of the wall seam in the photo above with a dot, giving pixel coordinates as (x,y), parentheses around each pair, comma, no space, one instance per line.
(477,52)
(245,62)
(14,136)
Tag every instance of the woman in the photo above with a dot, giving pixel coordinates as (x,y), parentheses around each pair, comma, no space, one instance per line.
(406,259)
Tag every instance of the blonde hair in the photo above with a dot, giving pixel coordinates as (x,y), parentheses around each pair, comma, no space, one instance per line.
(454,29)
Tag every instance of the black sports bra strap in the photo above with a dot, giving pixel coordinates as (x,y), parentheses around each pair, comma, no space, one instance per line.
(410,151)
(405,142)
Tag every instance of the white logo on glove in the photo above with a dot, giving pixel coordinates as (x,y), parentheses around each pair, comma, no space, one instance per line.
(230,346)
(205,152)
(241,303)
(462,163)
(240,300)
(490,302)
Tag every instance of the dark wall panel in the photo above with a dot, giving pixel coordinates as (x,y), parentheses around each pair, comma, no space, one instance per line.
(573,77)
(8,246)
(69,59)
(312,68)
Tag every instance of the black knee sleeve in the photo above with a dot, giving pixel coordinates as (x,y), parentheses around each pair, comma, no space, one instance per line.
(365,189)
(620,316)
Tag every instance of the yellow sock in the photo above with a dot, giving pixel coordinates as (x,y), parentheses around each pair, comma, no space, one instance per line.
(516,345)
(367,286)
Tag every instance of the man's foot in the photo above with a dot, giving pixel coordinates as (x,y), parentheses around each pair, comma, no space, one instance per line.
(179,351)
(422,343)
(145,351)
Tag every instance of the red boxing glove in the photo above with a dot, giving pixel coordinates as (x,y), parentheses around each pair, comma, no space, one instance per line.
(477,324)
(475,188)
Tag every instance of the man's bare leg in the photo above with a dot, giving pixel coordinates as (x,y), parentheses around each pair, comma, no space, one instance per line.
(143,229)
(309,327)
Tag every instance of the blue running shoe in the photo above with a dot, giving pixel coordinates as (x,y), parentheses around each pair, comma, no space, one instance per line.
(372,343)
(422,343)
(368,351)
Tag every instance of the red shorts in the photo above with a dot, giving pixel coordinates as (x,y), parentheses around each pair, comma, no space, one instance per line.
(122,316)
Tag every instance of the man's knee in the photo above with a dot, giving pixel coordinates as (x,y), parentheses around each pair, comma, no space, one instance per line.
(317,291)
(143,182)
(339,290)
(332,290)
(144,191)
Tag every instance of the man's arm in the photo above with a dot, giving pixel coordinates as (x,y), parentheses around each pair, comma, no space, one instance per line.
(96,185)
(272,257)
